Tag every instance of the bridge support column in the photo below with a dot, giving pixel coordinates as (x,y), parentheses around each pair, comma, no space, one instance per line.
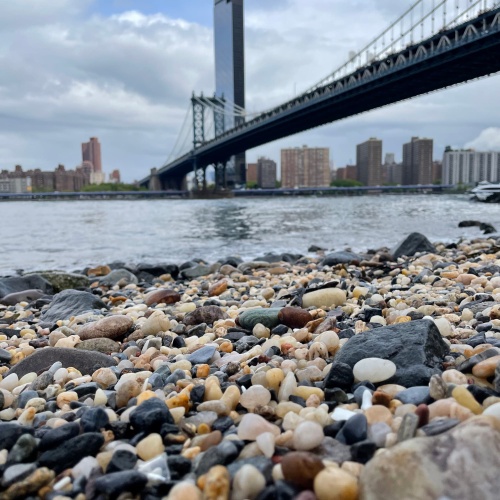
(154,180)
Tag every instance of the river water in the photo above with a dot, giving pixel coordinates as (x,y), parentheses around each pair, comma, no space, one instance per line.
(69,235)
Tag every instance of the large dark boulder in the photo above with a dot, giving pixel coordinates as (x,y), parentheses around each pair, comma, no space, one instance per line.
(412,244)
(84,361)
(416,348)
(70,303)
(341,257)
(21,283)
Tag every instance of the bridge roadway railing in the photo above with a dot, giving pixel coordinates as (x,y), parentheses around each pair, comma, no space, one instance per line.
(460,35)
(486,25)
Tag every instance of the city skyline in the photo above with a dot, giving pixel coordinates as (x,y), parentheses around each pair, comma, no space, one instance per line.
(81,91)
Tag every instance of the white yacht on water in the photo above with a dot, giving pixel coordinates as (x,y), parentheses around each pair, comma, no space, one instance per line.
(486,191)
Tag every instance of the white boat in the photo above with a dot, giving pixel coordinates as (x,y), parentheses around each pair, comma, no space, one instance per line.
(486,191)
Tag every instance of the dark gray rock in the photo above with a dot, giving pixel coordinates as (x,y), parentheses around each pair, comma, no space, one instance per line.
(221,454)
(70,303)
(340,375)
(415,395)
(5,356)
(84,361)
(121,460)
(412,244)
(354,430)
(94,419)
(405,344)
(117,275)
(21,284)
(150,416)
(103,345)
(341,257)
(159,269)
(204,314)
(199,270)
(202,355)
(68,454)
(415,375)
(25,296)
(54,437)
(60,280)
(440,425)
(25,396)
(117,482)
(10,433)
(25,450)
(16,473)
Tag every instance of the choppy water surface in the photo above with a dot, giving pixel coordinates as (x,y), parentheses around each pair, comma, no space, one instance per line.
(72,234)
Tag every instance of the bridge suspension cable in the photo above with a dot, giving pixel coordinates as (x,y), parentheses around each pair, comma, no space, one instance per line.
(421,16)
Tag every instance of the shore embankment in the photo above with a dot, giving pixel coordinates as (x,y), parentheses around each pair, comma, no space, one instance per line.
(338,376)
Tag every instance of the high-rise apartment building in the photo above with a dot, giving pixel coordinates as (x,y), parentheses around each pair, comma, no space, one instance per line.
(417,161)
(266,173)
(91,151)
(305,167)
(230,71)
(470,167)
(369,162)
(252,173)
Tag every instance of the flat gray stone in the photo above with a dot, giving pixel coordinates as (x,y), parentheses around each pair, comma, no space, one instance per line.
(84,361)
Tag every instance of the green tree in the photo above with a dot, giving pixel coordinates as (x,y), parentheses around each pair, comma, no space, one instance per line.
(345,183)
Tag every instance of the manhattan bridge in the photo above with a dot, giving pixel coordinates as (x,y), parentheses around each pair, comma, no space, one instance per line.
(433,45)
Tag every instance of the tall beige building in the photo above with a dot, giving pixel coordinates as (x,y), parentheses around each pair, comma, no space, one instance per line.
(417,161)
(91,151)
(369,162)
(305,167)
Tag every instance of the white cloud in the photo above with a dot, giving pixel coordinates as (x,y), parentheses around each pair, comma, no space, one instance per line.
(68,73)
(487,140)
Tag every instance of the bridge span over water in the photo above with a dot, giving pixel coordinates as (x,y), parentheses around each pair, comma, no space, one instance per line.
(466,48)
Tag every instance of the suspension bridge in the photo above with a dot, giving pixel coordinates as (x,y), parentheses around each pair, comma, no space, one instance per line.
(433,45)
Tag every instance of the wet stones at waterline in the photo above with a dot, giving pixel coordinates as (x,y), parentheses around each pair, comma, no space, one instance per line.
(345,376)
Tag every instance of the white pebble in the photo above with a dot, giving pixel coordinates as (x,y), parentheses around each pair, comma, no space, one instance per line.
(374,369)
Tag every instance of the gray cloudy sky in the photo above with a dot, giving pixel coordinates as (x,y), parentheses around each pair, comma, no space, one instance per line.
(124,70)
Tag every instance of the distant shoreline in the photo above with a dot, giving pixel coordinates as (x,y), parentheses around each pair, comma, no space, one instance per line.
(250,193)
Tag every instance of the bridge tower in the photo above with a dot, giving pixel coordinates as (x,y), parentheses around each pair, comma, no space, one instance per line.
(201,105)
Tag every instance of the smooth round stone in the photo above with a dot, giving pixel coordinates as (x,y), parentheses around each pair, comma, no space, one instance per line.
(486,368)
(185,490)
(415,395)
(454,377)
(150,447)
(333,483)
(9,382)
(248,482)
(342,414)
(378,413)
(493,410)
(327,297)
(301,468)
(374,369)
(252,425)
(307,436)
(444,326)
(266,443)
(257,395)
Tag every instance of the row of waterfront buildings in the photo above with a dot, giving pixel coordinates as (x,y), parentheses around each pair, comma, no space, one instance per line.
(310,167)
(60,179)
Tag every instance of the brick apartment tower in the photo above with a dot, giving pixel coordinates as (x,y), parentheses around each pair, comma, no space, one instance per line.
(91,152)
(305,167)
(369,162)
(417,161)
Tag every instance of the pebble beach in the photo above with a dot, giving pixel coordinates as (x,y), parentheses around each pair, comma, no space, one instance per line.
(340,375)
